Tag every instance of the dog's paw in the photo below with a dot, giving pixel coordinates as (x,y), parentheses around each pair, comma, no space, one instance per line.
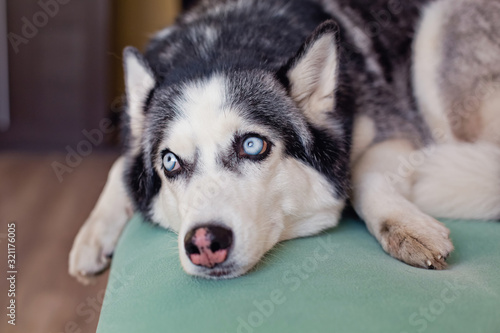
(89,256)
(419,241)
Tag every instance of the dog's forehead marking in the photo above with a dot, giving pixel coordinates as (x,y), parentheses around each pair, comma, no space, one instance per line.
(206,120)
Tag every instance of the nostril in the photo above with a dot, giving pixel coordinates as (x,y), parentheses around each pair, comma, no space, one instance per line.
(192,249)
(215,247)
(222,238)
(189,244)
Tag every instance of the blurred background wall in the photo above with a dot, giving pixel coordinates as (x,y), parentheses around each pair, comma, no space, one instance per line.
(58,71)
(148,16)
(62,82)
(64,66)
(4,69)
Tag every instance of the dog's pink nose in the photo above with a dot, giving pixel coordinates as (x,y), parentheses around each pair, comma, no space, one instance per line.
(208,245)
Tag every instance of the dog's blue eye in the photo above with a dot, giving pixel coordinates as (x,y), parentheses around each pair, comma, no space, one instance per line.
(254,146)
(170,162)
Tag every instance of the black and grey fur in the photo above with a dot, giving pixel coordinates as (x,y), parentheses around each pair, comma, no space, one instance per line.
(332,85)
(257,38)
(253,45)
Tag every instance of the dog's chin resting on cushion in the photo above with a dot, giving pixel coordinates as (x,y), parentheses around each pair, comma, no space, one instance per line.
(252,122)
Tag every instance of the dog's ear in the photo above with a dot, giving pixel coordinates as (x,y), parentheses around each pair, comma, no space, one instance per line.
(312,74)
(139,81)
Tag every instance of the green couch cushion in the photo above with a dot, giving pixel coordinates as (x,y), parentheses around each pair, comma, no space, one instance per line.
(339,281)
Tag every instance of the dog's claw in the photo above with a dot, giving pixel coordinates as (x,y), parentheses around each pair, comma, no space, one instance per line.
(422,242)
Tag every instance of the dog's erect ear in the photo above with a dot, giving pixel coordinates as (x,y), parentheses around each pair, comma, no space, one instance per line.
(139,81)
(312,73)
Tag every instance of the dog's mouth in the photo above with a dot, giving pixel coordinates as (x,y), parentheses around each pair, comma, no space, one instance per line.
(224,271)
(220,273)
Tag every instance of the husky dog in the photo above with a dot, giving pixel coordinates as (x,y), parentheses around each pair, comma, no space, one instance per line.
(252,122)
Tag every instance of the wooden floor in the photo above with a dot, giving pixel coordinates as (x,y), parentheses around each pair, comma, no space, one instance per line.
(48,214)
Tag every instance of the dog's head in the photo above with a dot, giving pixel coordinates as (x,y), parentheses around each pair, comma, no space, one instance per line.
(239,160)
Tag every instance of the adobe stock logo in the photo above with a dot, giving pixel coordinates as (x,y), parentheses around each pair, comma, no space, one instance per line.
(30,28)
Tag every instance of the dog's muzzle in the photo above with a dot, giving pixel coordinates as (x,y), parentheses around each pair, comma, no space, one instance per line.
(208,245)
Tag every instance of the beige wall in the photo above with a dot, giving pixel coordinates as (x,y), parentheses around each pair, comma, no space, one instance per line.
(133,24)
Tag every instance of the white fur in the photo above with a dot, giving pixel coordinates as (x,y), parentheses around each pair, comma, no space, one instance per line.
(490,116)
(164,33)
(205,38)
(97,239)
(363,134)
(313,81)
(402,229)
(457,180)
(281,199)
(308,205)
(139,81)
(203,126)
(264,203)
(460,181)
(203,120)
(428,56)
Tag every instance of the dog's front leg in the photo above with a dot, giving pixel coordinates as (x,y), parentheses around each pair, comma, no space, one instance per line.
(381,187)
(96,240)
